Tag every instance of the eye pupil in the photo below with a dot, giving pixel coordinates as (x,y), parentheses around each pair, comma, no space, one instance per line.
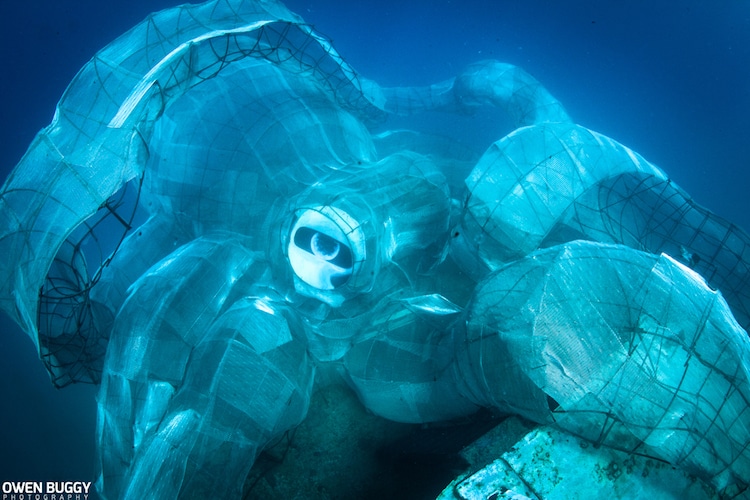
(324,247)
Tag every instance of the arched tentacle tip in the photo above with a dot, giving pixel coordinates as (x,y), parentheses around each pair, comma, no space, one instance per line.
(510,88)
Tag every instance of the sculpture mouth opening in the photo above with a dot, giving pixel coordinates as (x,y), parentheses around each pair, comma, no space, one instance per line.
(325,245)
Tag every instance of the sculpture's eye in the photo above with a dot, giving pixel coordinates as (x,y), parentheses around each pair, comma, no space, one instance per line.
(324,245)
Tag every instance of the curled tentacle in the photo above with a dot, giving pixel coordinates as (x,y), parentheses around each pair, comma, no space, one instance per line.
(486,83)
(617,346)
(557,182)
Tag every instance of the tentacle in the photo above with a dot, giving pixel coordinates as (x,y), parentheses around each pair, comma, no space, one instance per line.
(402,369)
(486,83)
(184,373)
(247,383)
(617,346)
(552,183)
(526,181)
(154,333)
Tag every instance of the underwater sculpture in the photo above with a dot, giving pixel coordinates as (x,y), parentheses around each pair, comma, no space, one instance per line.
(563,282)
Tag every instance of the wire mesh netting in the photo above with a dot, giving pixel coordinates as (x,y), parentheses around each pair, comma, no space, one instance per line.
(210,214)
(71,345)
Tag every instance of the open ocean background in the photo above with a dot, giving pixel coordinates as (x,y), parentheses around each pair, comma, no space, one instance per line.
(669,79)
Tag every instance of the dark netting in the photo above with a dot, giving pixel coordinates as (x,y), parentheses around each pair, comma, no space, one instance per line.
(653,214)
(72,345)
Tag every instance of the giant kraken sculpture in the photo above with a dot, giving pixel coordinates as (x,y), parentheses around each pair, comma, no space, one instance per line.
(252,228)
